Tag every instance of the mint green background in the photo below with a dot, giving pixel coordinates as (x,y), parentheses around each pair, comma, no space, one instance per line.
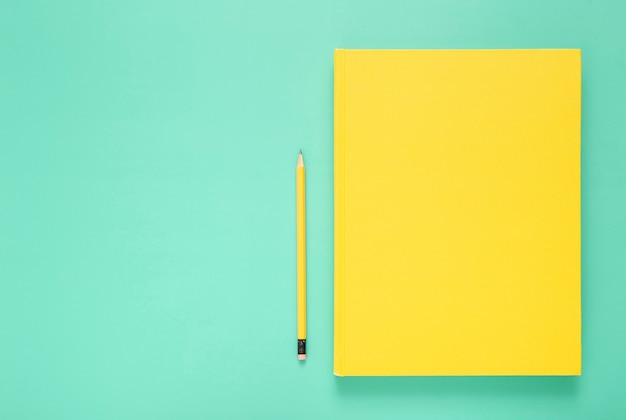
(147,221)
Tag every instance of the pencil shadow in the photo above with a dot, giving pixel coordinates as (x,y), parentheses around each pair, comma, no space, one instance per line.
(464,386)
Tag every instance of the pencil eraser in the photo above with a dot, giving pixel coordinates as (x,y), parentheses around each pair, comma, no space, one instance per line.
(302,357)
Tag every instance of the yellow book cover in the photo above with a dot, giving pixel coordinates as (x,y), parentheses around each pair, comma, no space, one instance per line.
(457,212)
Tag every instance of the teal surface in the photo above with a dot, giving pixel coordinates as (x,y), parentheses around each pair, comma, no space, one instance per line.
(147,219)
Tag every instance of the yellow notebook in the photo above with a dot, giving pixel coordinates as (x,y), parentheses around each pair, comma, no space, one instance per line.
(457,212)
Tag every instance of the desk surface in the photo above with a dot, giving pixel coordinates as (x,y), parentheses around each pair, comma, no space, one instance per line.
(147,220)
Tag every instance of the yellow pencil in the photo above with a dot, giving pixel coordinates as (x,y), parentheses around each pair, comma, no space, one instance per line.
(301,255)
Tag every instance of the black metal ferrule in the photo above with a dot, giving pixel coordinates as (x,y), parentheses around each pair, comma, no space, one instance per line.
(301,346)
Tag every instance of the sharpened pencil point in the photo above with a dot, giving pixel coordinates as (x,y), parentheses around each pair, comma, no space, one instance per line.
(300,160)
